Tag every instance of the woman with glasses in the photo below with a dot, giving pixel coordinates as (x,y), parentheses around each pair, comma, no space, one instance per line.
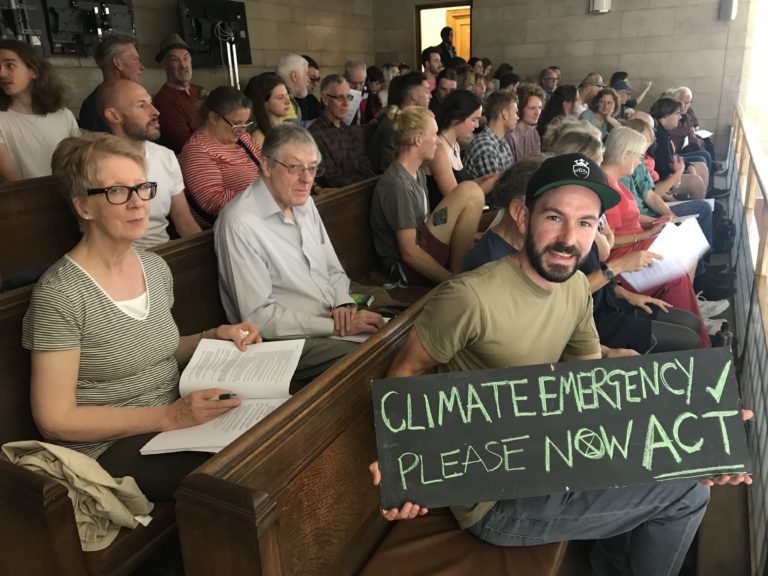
(105,348)
(33,119)
(628,231)
(220,159)
(271,103)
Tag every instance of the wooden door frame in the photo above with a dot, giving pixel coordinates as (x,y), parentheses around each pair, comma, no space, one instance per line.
(450,4)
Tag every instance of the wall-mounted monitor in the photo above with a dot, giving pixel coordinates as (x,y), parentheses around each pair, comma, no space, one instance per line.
(209,25)
(76,26)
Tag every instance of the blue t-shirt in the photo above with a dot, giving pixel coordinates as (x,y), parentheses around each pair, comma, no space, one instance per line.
(489,248)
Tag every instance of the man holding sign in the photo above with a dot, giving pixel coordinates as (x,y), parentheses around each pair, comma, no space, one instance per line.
(534,308)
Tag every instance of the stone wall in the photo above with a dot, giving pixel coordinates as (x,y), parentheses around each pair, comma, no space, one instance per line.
(671,42)
(331,31)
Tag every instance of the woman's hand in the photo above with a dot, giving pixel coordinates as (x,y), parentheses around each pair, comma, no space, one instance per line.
(645,302)
(634,261)
(199,407)
(241,334)
(407,512)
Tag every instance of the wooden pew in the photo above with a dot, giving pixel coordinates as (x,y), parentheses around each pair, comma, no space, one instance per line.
(293,496)
(37,223)
(36,518)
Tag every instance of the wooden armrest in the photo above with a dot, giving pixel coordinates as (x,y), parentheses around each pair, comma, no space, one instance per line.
(37,522)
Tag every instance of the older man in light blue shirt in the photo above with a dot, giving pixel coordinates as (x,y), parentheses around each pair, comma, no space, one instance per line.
(277,267)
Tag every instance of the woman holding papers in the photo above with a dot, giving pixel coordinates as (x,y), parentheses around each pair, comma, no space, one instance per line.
(629,231)
(105,348)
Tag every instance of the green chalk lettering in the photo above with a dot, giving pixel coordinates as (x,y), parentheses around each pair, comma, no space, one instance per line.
(587,390)
(650,382)
(720,415)
(424,481)
(409,407)
(651,444)
(567,459)
(475,460)
(446,463)
(663,372)
(428,410)
(612,443)
(384,417)
(568,386)
(446,403)
(405,470)
(630,386)
(495,386)
(516,398)
(689,374)
(597,386)
(475,403)
(507,451)
(488,449)
(589,444)
(544,396)
(688,448)
(717,391)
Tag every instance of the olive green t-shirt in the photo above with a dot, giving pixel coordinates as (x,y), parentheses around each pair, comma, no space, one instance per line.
(496,317)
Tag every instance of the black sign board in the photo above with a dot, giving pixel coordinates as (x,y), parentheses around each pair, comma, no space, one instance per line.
(461,438)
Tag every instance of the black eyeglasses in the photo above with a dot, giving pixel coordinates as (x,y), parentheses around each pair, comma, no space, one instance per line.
(314,79)
(237,128)
(347,97)
(297,169)
(122,194)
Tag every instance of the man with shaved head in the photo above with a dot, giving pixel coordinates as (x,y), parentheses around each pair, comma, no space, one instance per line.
(127,109)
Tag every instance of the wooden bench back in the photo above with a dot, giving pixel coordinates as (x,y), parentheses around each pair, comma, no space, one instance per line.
(197,306)
(37,223)
(293,496)
(346,215)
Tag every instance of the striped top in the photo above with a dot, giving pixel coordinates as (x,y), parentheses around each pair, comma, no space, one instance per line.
(123,361)
(214,174)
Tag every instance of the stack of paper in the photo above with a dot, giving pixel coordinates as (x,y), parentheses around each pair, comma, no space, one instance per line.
(260,377)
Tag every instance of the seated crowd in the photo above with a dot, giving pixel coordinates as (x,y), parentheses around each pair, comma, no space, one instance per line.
(445,144)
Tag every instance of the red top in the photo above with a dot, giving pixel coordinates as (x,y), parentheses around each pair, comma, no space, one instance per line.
(214,174)
(650,164)
(624,218)
(178,114)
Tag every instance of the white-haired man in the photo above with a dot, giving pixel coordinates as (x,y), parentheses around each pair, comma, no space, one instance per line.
(294,71)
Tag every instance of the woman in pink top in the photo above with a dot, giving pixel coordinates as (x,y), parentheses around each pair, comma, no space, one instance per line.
(220,159)
(630,231)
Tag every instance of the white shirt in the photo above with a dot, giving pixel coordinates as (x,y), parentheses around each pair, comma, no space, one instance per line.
(281,275)
(32,138)
(163,168)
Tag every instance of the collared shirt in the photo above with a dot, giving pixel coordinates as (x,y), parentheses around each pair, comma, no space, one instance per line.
(178,114)
(344,159)
(282,275)
(487,154)
(524,141)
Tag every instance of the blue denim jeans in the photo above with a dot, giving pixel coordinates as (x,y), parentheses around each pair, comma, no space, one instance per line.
(642,530)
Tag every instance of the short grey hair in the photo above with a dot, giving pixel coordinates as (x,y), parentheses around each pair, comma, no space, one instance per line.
(291,63)
(285,134)
(620,142)
(331,79)
(352,65)
(680,92)
(111,47)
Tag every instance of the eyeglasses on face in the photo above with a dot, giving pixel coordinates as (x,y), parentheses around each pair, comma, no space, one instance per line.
(347,97)
(296,169)
(237,128)
(314,79)
(122,194)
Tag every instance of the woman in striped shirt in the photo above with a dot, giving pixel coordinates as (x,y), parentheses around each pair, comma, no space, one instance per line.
(105,348)
(220,159)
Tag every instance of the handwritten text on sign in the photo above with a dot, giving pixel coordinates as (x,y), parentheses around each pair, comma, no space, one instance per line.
(467,437)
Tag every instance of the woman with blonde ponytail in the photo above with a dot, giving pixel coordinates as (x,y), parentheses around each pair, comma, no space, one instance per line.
(415,246)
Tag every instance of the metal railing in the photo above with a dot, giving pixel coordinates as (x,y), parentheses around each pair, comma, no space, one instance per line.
(748,209)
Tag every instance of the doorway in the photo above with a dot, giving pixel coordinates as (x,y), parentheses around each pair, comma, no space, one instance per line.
(431,19)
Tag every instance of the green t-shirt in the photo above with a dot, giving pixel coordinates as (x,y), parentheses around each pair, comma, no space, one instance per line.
(496,317)
(640,184)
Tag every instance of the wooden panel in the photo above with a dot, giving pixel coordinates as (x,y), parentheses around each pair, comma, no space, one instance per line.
(461,22)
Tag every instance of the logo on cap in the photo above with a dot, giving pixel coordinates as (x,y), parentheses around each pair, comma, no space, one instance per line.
(581,168)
